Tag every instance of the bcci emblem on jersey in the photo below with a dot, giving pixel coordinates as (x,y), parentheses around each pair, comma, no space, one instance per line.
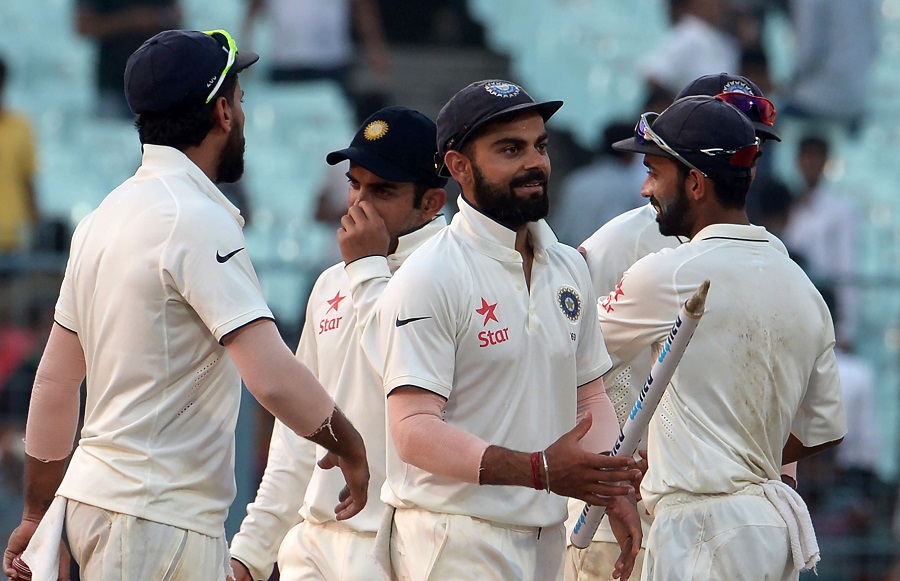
(569,302)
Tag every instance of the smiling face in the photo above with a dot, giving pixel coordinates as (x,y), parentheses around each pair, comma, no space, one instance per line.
(510,168)
(665,188)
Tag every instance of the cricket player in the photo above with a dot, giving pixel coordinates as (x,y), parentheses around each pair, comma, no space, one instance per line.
(395,194)
(609,252)
(161,310)
(758,386)
(490,350)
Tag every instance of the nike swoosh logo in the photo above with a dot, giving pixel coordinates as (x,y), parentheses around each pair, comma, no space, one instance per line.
(400,322)
(227,257)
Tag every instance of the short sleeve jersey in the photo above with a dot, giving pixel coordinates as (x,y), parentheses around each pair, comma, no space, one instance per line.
(156,276)
(761,364)
(459,320)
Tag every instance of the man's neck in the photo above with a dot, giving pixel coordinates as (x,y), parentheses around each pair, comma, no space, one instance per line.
(722,216)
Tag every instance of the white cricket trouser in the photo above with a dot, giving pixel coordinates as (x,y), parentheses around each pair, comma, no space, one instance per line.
(327,551)
(597,562)
(111,546)
(434,546)
(734,536)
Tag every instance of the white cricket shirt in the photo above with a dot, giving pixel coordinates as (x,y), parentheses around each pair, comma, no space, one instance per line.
(157,275)
(760,366)
(294,488)
(458,320)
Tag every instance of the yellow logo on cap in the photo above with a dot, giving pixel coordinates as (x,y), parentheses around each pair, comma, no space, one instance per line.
(376,130)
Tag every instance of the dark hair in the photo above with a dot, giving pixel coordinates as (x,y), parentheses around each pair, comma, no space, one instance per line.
(616,132)
(419,190)
(731,191)
(184,126)
(814,144)
(3,71)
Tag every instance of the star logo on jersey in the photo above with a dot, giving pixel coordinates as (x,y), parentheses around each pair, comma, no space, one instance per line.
(487,311)
(335,302)
(613,297)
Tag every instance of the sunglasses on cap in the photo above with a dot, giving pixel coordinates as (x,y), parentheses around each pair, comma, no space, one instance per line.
(740,157)
(751,105)
(232,54)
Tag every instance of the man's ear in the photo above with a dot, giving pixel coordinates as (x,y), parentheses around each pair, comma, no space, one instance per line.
(432,202)
(459,166)
(223,114)
(696,186)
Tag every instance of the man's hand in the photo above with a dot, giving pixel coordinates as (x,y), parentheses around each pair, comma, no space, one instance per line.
(626,526)
(362,233)
(241,573)
(18,541)
(352,498)
(593,478)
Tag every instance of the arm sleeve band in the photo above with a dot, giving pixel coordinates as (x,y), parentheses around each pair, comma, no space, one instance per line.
(54,407)
(425,440)
(604,430)
(282,384)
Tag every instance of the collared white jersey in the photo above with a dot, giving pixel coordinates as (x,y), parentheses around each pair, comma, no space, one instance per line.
(294,488)
(157,275)
(459,320)
(760,366)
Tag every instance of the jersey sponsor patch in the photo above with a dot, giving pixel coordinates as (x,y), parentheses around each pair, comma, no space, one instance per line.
(487,311)
(502,89)
(607,304)
(490,337)
(569,302)
(334,303)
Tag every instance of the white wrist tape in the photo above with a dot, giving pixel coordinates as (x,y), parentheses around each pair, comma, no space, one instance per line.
(592,397)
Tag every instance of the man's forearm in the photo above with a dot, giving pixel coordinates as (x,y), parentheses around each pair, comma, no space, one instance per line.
(508,467)
(42,480)
(338,435)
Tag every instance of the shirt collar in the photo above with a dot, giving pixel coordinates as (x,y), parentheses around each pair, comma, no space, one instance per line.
(745,232)
(496,240)
(412,240)
(161,159)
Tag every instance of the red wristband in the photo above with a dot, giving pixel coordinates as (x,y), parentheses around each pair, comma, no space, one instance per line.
(535,471)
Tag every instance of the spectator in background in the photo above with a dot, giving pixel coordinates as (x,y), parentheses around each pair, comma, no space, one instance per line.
(312,40)
(836,43)
(697,45)
(607,187)
(18,207)
(119,27)
(825,229)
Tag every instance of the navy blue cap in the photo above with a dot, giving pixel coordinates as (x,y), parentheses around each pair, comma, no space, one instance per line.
(478,104)
(177,67)
(396,144)
(712,85)
(691,124)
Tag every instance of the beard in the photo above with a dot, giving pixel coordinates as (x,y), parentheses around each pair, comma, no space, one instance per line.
(674,218)
(231,160)
(504,206)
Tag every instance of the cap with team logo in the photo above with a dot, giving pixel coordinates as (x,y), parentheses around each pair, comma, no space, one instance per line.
(396,144)
(476,105)
(760,112)
(177,67)
(702,132)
